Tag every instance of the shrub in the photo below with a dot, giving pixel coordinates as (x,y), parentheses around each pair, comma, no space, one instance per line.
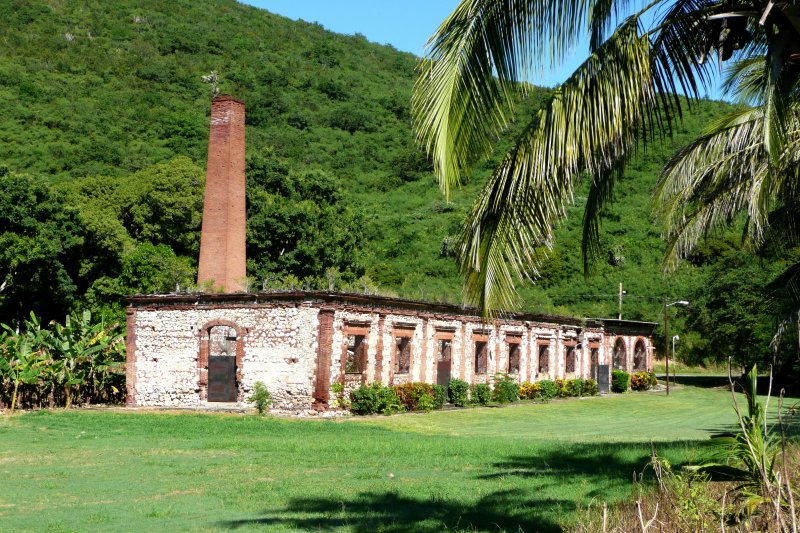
(364,400)
(439,396)
(481,394)
(547,390)
(458,392)
(528,390)
(426,403)
(388,401)
(261,398)
(643,381)
(590,388)
(577,387)
(561,388)
(410,393)
(375,398)
(341,401)
(620,381)
(505,389)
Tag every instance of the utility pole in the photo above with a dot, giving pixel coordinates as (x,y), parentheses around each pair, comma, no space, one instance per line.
(621,293)
(666,334)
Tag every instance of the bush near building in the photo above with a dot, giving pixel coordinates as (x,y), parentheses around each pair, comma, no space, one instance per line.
(458,392)
(480,394)
(620,381)
(506,389)
(643,381)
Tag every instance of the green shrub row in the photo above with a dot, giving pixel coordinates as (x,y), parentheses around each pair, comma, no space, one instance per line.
(375,399)
(546,389)
(462,393)
(380,399)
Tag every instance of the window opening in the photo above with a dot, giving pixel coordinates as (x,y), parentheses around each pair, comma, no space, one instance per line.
(445,350)
(569,359)
(402,355)
(356,354)
(481,356)
(640,356)
(620,355)
(544,359)
(514,352)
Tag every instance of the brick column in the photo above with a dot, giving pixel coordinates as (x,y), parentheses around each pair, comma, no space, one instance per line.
(423,358)
(322,388)
(222,242)
(379,350)
(130,357)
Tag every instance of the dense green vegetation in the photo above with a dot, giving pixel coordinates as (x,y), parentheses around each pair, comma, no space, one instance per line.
(522,467)
(79,361)
(104,135)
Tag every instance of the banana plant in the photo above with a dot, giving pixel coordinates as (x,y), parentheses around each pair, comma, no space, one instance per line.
(21,364)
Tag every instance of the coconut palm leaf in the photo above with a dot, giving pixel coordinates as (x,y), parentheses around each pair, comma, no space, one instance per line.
(628,90)
(466,90)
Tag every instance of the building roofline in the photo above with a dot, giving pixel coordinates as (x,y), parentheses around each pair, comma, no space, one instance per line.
(323,297)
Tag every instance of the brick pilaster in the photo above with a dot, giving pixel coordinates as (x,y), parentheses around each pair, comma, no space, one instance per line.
(324,357)
(130,357)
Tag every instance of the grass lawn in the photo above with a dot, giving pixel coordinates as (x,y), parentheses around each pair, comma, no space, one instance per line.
(521,467)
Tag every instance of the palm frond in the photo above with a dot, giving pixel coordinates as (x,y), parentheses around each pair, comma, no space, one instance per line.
(466,89)
(589,124)
(724,173)
(709,182)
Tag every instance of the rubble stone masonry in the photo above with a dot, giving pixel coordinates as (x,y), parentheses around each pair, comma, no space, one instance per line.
(297,344)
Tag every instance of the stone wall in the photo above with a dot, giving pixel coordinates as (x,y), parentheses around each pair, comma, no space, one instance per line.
(276,344)
(277,341)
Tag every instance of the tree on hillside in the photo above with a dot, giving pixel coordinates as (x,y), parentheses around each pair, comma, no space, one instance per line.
(41,250)
(299,224)
(643,55)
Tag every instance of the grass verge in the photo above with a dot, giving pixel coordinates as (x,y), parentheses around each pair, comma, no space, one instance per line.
(525,467)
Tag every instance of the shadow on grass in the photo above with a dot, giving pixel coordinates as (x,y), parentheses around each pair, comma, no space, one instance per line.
(568,474)
(390,512)
(609,465)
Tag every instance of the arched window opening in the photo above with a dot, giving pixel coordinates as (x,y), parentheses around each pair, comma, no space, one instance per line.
(620,355)
(640,356)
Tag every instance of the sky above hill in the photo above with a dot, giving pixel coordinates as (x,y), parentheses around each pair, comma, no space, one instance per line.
(405,24)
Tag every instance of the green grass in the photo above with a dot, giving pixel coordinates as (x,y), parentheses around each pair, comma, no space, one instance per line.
(522,467)
(678,368)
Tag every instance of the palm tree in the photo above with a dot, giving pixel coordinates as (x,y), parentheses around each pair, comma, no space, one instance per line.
(643,56)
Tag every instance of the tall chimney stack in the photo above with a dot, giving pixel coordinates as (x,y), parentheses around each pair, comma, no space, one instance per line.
(222,241)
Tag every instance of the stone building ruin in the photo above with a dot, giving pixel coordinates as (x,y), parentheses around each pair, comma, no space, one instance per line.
(191,350)
(188,350)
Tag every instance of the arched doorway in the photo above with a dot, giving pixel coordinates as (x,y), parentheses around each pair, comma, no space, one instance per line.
(220,354)
(640,356)
(620,355)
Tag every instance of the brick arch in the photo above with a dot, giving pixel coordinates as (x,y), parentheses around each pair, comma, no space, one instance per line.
(643,365)
(202,353)
(614,358)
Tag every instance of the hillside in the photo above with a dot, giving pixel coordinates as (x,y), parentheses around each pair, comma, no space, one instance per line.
(105,109)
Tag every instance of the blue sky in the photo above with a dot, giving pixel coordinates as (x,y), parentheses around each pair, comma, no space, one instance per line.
(405,24)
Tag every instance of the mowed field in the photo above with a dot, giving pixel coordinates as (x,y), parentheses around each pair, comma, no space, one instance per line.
(524,467)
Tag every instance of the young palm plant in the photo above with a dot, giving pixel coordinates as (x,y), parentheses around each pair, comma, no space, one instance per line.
(752,458)
(479,63)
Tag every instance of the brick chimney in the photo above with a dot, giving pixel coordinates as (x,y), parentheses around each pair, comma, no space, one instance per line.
(222,242)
